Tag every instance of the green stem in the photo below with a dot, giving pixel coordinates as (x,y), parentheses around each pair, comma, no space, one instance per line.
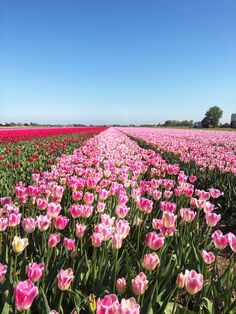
(115,270)
(15,275)
(186,306)
(60,302)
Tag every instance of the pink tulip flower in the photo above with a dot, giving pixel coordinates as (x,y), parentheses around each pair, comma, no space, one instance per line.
(80,230)
(129,306)
(25,293)
(117,241)
(53,240)
(64,278)
(154,241)
(180,281)
(212,219)
(139,284)
(220,240)
(232,241)
(121,285)
(69,244)
(193,282)
(208,257)
(29,224)
(108,305)
(3,270)
(35,271)
(150,261)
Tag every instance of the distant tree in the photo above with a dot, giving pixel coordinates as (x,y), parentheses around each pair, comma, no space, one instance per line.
(214,114)
(206,123)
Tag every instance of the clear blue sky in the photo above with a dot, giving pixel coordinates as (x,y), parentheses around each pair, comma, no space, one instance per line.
(124,61)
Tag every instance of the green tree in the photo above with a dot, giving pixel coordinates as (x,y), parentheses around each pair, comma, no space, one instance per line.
(214,114)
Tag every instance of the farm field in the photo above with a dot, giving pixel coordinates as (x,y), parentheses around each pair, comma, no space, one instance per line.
(117,221)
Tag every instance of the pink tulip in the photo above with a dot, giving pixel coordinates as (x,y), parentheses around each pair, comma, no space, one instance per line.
(212,219)
(3,270)
(101,207)
(103,195)
(150,261)
(80,230)
(154,241)
(220,240)
(76,210)
(108,305)
(29,224)
(122,211)
(121,285)
(69,244)
(139,284)
(129,306)
(43,222)
(215,193)
(61,222)
(35,271)
(25,293)
(168,194)
(64,278)
(168,219)
(145,205)
(107,220)
(203,195)
(187,215)
(53,240)
(122,199)
(180,281)
(87,211)
(208,257)
(122,228)
(3,223)
(53,210)
(14,219)
(232,241)
(192,178)
(41,203)
(106,230)
(97,239)
(88,198)
(77,196)
(168,206)
(193,282)
(156,194)
(117,241)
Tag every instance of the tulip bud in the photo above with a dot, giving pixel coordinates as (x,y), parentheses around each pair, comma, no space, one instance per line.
(121,285)
(180,281)
(92,303)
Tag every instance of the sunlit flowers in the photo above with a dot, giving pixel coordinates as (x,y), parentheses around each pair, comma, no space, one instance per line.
(19,244)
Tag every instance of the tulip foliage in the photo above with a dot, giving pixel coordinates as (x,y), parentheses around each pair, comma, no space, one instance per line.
(113,228)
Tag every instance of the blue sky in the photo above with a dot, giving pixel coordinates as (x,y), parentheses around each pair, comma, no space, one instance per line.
(116,61)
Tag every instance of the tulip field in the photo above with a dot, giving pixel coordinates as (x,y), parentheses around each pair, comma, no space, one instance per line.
(117,221)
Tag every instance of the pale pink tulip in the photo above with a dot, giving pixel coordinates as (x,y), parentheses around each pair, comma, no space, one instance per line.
(64,278)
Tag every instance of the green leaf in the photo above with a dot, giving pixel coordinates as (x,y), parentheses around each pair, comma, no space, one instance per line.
(208,305)
(46,306)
